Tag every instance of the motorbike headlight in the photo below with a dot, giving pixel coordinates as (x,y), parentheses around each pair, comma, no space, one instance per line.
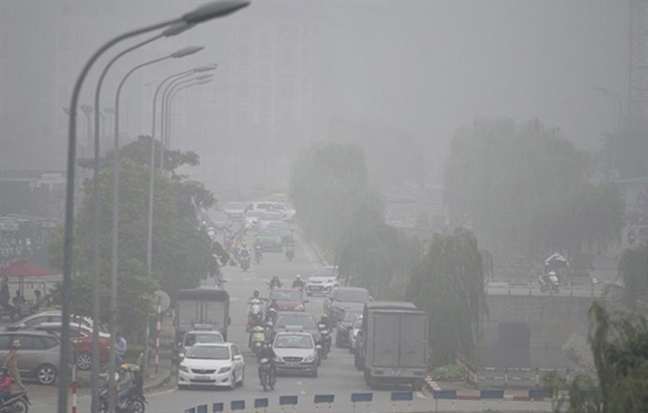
(225,369)
(183,368)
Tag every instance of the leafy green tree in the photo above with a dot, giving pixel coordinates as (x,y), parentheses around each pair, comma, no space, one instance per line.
(328,182)
(374,255)
(524,187)
(633,268)
(182,251)
(619,343)
(448,283)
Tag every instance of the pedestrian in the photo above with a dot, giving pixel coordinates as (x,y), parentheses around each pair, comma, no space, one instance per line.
(11,362)
(120,348)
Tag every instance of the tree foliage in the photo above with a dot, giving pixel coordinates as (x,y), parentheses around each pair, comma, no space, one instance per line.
(328,182)
(633,269)
(525,187)
(619,343)
(375,255)
(182,252)
(448,283)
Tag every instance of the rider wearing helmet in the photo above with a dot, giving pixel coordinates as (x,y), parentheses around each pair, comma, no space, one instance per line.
(298,283)
(256,295)
(325,320)
(268,352)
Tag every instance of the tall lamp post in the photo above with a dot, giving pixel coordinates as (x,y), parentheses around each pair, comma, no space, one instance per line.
(115,217)
(618,106)
(199,15)
(180,87)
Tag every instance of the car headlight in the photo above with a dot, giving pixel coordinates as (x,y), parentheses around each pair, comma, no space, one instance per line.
(309,358)
(184,368)
(225,369)
(278,358)
(300,307)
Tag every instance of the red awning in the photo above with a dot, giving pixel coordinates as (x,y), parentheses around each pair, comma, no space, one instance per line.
(24,268)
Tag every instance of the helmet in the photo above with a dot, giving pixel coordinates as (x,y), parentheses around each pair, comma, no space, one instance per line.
(324,315)
(256,292)
(269,324)
(298,276)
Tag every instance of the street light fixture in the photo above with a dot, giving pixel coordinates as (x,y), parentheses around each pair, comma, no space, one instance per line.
(200,15)
(115,200)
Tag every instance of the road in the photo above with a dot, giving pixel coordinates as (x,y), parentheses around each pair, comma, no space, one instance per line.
(337,374)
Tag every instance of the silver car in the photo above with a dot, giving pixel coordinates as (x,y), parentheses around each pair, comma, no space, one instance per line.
(296,353)
(39,354)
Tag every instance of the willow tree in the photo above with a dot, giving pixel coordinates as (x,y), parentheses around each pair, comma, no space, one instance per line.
(633,268)
(448,283)
(619,344)
(375,255)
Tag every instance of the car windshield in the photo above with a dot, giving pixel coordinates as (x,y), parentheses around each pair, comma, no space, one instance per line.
(272,216)
(351,296)
(293,341)
(327,272)
(254,214)
(193,338)
(304,321)
(234,205)
(209,353)
(284,295)
(349,316)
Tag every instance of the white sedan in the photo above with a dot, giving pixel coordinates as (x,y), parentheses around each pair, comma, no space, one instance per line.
(212,364)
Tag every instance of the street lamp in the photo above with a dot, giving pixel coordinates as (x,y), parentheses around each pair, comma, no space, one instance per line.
(201,14)
(180,87)
(618,109)
(115,223)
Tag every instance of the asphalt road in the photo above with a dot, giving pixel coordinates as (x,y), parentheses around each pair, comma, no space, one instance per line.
(337,374)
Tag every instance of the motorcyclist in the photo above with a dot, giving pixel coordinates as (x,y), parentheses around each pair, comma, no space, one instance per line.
(5,385)
(268,352)
(298,283)
(325,320)
(256,295)
(275,282)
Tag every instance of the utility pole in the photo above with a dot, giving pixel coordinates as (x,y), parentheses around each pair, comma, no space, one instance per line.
(638,68)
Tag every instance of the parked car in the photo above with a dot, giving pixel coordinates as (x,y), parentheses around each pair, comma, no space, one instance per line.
(81,343)
(212,364)
(344,298)
(39,354)
(52,316)
(288,299)
(296,353)
(343,327)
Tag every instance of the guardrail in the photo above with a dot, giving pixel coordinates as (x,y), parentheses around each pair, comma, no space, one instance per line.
(292,401)
(520,375)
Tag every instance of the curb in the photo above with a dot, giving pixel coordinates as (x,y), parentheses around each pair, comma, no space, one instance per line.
(533,395)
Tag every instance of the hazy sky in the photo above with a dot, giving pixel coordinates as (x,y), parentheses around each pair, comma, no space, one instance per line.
(423,68)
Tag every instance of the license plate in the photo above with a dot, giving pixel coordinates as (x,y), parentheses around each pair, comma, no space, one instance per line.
(292,364)
(202,377)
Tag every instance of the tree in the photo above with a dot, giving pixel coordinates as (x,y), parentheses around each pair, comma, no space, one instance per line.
(328,183)
(374,255)
(524,187)
(448,283)
(633,267)
(619,343)
(182,250)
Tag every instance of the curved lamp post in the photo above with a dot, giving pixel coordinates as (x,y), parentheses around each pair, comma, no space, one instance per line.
(201,14)
(180,87)
(115,200)
(171,31)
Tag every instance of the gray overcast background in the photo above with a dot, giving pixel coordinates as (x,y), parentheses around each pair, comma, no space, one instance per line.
(288,71)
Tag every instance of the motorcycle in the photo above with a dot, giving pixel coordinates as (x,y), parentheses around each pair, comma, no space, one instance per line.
(258,253)
(290,252)
(17,402)
(255,314)
(257,338)
(266,374)
(326,340)
(549,282)
(132,403)
(244,260)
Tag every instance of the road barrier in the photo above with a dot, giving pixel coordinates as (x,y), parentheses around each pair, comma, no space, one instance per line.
(521,375)
(263,403)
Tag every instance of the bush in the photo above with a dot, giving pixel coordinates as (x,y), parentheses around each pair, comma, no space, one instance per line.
(450,372)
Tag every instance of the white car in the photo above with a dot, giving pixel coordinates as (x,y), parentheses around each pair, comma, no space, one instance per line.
(198,336)
(212,364)
(320,284)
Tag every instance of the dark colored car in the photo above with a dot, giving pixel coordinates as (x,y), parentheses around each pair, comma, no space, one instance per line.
(343,327)
(344,298)
(296,321)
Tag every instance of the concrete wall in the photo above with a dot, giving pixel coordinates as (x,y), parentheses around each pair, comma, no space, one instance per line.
(530,331)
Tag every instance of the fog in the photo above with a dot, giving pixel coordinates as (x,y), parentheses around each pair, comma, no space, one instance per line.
(289,72)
